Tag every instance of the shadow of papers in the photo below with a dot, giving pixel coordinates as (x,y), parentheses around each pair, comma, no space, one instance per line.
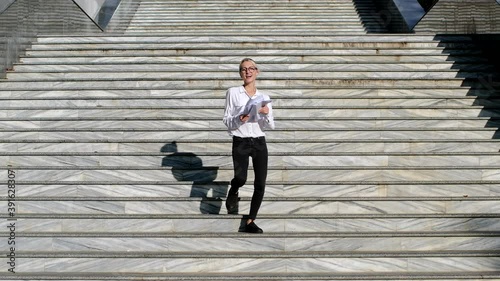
(188,167)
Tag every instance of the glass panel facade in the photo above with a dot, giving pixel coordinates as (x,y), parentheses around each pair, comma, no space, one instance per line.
(4,4)
(99,11)
(22,20)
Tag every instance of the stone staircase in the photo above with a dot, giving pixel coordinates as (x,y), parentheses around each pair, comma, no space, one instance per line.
(384,164)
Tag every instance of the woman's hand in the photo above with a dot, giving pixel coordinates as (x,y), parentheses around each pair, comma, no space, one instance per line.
(264,110)
(244,118)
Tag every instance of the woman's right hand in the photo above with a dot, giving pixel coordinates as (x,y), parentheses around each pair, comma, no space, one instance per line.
(244,118)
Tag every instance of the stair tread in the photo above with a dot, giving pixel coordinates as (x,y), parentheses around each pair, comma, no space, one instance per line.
(259,254)
(291,235)
(243,276)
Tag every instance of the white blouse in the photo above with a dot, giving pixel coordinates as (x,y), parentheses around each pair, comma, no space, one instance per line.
(236,99)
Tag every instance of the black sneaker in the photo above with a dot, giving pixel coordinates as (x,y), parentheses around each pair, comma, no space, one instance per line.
(232,203)
(253,228)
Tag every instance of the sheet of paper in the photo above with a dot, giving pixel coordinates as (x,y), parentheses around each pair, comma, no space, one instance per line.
(252,108)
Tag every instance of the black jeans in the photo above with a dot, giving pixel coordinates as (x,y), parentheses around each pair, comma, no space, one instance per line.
(243,149)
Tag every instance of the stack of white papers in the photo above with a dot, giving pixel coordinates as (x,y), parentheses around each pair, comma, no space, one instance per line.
(252,108)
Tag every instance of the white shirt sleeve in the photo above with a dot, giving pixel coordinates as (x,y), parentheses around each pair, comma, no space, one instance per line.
(267,122)
(231,112)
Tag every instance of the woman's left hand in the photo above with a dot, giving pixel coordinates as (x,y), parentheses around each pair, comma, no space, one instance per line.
(264,110)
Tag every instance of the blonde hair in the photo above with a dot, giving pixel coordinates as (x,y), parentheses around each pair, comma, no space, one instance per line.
(248,59)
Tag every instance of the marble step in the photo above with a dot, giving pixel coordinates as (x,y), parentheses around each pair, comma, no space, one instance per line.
(215,97)
(38,223)
(234,242)
(221,4)
(263,30)
(313,19)
(114,112)
(272,51)
(287,29)
(331,58)
(294,14)
(342,18)
(278,101)
(270,205)
(291,160)
(301,7)
(201,59)
(266,57)
(134,66)
(242,266)
(447,45)
(374,190)
(262,52)
(288,43)
(290,31)
(210,172)
(234,2)
(401,39)
(258,255)
(260,11)
(146,10)
(287,12)
(273,3)
(462,93)
(282,83)
(275,16)
(216,123)
(231,32)
(274,19)
(285,26)
(425,75)
(309,276)
(263,11)
(274,145)
(201,134)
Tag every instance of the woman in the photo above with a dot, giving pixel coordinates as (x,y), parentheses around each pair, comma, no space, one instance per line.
(247,114)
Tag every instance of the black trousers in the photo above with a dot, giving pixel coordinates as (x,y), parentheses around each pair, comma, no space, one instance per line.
(243,149)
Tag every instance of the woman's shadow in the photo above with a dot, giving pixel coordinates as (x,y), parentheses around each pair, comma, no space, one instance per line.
(187,166)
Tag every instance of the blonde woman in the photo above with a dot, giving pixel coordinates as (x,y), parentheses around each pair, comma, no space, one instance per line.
(248,112)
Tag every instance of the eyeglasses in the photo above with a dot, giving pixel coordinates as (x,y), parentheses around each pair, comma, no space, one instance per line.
(251,69)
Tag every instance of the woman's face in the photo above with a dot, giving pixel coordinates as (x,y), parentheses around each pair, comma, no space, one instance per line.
(248,72)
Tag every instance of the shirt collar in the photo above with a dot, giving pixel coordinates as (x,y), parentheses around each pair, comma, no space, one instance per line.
(242,91)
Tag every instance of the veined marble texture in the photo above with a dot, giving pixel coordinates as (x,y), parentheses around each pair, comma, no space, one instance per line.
(218,101)
(367,189)
(295,207)
(215,188)
(171,65)
(233,243)
(303,160)
(118,102)
(164,39)
(169,55)
(330,134)
(274,146)
(161,75)
(299,175)
(198,82)
(250,265)
(202,224)
(211,112)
